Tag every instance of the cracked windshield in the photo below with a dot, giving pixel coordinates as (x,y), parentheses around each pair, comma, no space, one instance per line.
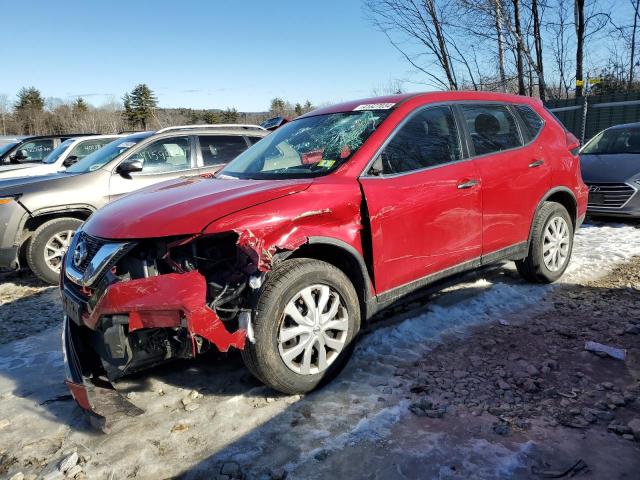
(308,147)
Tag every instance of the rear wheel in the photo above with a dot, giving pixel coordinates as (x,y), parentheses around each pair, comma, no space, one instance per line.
(551,245)
(306,320)
(48,245)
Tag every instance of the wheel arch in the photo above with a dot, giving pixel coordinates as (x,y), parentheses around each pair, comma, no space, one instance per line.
(565,197)
(33,221)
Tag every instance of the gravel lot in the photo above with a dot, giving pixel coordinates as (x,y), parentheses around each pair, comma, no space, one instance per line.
(484,377)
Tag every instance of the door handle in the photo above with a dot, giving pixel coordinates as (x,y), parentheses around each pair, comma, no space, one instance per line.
(536,163)
(467,184)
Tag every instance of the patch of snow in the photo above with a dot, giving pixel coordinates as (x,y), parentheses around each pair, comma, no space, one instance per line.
(236,422)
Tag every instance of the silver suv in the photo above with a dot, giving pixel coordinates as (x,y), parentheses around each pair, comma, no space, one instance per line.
(40,214)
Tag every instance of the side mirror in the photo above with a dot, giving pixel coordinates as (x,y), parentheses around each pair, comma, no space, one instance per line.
(70,160)
(129,166)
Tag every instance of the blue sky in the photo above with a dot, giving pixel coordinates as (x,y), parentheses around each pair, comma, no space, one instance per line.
(201,54)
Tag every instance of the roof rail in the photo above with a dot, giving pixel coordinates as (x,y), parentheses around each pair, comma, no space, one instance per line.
(214,126)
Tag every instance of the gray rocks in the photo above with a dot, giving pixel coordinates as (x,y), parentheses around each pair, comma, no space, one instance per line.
(69,462)
(634,426)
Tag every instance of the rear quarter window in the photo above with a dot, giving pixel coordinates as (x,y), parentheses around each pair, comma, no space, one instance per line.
(532,121)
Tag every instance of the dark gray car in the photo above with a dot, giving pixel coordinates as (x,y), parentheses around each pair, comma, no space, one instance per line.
(38,215)
(610,164)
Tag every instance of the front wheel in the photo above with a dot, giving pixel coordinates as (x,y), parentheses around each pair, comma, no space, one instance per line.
(551,245)
(48,245)
(307,317)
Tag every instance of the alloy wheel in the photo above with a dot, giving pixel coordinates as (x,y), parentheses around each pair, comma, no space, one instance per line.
(55,248)
(313,330)
(555,244)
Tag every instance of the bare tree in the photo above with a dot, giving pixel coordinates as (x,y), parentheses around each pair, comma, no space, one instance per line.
(537,40)
(498,16)
(559,31)
(632,60)
(591,17)
(4,111)
(519,61)
(411,23)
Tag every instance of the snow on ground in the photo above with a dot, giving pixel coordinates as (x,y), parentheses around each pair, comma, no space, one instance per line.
(238,419)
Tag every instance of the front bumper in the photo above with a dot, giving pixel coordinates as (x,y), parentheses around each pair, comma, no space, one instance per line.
(169,301)
(9,257)
(94,395)
(11,218)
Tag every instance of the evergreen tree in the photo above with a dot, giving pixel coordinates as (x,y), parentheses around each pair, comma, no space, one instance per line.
(128,114)
(29,99)
(298,109)
(143,101)
(278,107)
(211,117)
(308,106)
(139,105)
(29,110)
(79,106)
(230,115)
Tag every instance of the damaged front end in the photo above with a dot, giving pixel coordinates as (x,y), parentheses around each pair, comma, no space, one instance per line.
(133,305)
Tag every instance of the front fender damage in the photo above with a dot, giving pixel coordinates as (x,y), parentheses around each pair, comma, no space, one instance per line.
(212,301)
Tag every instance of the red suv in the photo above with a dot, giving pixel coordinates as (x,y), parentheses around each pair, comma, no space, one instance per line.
(293,246)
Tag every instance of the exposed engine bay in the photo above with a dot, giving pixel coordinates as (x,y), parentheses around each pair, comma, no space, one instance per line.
(157,327)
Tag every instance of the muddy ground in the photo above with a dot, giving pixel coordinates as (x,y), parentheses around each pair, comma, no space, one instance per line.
(484,376)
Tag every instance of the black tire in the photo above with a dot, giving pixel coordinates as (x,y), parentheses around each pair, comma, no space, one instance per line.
(262,358)
(35,251)
(533,267)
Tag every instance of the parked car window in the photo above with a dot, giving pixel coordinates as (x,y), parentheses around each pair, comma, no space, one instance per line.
(254,139)
(86,147)
(531,119)
(166,155)
(56,152)
(218,149)
(614,141)
(492,128)
(37,149)
(428,139)
(103,156)
(307,147)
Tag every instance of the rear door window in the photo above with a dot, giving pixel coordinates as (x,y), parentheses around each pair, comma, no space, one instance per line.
(532,121)
(219,149)
(492,128)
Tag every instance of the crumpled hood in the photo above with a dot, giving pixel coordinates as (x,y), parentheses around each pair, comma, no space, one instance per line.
(609,168)
(183,206)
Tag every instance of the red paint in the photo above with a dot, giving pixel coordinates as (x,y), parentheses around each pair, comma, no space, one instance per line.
(80,394)
(163,301)
(190,203)
(420,222)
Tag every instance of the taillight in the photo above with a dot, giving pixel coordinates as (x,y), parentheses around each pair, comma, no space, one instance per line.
(573,144)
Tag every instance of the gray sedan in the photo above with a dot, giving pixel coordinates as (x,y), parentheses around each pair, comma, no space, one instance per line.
(610,164)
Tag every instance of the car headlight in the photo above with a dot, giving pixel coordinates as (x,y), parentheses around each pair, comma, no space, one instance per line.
(637,181)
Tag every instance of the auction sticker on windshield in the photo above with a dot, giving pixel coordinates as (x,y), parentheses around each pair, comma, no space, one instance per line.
(374,106)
